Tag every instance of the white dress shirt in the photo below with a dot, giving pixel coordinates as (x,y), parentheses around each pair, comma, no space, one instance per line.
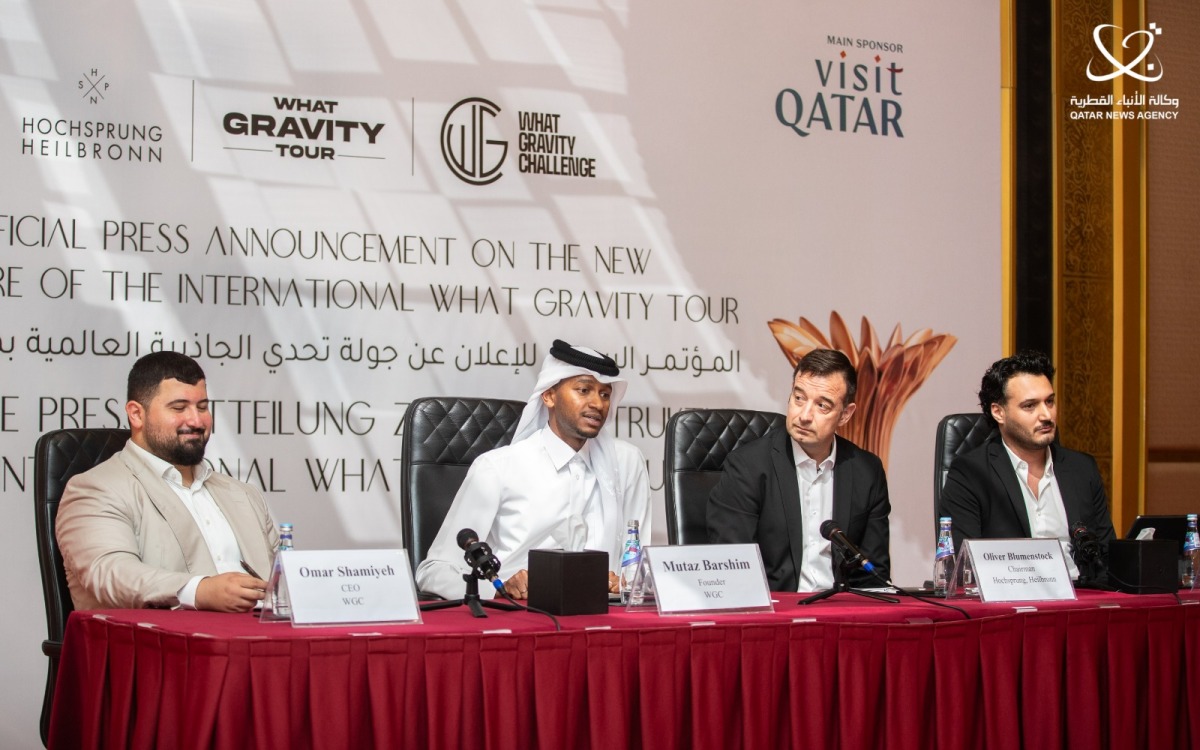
(214,527)
(816,506)
(535,494)
(1047,514)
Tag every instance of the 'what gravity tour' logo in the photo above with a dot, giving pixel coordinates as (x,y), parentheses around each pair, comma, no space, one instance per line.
(303,128)
(849,97)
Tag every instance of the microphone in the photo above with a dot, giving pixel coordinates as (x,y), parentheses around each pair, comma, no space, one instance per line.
(851,554)
(1086,552)
(1084,544)
(480,557)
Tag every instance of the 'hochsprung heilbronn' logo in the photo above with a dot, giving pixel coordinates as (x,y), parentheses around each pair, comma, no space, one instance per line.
(93,85)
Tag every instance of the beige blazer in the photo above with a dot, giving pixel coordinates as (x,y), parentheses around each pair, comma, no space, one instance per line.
(128,542)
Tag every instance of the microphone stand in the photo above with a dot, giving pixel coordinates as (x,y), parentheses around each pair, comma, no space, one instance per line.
(472,599)
(841,573)
(1093,573)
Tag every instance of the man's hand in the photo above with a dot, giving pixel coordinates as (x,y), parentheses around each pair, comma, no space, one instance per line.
(518,586)
(614,583)
(230,592)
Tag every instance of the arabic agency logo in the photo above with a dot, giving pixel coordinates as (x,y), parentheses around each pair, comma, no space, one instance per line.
(469,145)
(1153,70)
(93,85)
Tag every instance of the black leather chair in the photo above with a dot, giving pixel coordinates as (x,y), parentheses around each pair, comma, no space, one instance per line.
(956,434)
(442,436)
(58,456)
(697,442)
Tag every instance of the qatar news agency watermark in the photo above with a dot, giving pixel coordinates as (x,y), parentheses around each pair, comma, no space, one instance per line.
(1144,66)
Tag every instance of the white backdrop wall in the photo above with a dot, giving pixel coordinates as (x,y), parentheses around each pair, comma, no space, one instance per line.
(339,207)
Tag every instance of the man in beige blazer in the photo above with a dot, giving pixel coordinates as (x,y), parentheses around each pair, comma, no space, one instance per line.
(155,526)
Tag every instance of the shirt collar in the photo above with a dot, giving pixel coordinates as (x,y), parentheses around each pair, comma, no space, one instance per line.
(1020,465)
(803,458)
(166,470)
(561,454)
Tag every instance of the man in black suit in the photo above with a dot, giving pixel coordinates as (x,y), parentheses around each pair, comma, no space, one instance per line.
(777,490)
(1021,483)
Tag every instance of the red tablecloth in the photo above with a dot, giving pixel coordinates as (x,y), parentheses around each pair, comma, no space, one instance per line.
(1105,671)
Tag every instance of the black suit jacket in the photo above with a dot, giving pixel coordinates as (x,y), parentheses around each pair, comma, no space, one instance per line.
(983,494)
(758,500)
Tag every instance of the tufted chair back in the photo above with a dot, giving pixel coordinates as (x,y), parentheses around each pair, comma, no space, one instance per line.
(58,456)
(697,442)
(442,436)
(956,434)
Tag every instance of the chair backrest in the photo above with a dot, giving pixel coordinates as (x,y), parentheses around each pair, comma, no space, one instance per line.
(697,442)
(956,434)
(58,456)
(442,436)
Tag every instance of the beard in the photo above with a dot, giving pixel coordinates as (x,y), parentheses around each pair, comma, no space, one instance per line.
(172,447)
(1033,439)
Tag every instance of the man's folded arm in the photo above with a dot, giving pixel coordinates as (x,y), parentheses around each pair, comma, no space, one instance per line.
(96,535)
(877,536)
(961,501)
(734,505)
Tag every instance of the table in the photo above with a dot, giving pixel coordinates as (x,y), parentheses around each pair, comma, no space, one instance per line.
(1107,670)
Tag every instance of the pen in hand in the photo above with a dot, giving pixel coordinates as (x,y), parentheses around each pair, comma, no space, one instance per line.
(246,567)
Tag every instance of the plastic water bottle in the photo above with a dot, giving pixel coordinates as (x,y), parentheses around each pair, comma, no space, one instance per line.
(943,561)
(631,558)
(1191,555)
(280,603)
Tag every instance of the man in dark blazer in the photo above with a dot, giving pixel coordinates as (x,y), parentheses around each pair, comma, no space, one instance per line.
(1020,483)
(777,490)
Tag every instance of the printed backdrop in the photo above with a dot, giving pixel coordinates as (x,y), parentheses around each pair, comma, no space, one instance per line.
(340,207)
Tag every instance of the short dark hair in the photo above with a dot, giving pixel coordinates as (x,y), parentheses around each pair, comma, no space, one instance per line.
(995,380)
(826,362)
(152,369)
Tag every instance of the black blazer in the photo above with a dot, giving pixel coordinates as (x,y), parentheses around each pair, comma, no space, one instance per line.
(983,494)
(758,500)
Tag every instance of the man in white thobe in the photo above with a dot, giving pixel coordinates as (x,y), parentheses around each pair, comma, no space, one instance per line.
(565,482)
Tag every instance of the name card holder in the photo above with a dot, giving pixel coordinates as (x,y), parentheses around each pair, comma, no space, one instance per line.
(694,578)
(1011,570)
(962,584)
(347,587)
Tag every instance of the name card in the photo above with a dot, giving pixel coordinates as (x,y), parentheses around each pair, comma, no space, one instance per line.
(708,578)
(350,586)
(1020,570)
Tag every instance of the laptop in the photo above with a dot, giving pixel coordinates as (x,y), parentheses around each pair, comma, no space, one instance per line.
(1165,527)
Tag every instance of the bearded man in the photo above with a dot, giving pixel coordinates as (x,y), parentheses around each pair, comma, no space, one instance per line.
(155,526)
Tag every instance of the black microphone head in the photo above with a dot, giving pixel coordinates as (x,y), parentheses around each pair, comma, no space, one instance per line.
(828,527)
(467,537)
(1079,530)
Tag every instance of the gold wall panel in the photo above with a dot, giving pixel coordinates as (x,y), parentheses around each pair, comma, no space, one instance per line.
(1099,261)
